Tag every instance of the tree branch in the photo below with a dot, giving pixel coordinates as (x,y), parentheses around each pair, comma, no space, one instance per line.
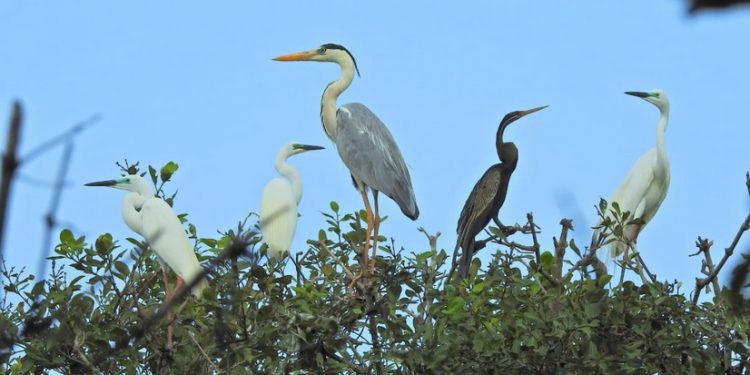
(10,163)
(701,283)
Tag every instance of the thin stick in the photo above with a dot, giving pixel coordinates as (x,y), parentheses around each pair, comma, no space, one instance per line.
(49,219)
(10,162)
(205,355)
(701,283)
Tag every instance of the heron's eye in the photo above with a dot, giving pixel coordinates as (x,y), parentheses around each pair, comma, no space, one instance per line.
(321,51)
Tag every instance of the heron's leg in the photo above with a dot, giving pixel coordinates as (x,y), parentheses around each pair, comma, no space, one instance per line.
(376,224)
(366,246)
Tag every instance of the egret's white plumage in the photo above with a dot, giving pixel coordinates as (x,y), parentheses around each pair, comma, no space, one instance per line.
(156,222)
(278,205)
(647,183)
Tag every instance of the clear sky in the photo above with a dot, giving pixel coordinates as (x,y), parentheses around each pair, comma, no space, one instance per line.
(195,84)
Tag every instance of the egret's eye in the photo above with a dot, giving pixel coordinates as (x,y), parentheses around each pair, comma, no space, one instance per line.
(656,95)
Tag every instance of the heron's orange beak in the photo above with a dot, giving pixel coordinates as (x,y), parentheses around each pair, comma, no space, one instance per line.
(297,56)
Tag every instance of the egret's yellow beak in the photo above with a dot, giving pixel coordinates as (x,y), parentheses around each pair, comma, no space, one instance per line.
(297,56)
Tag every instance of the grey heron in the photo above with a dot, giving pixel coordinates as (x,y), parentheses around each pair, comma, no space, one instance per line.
(364,144)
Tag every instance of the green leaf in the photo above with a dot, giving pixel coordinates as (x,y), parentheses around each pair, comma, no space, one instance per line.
(122,267)
(152,173)
(66,237)
(327,270)
(547,260)
(167,171)
(104,244)
(477,288)
(334,207)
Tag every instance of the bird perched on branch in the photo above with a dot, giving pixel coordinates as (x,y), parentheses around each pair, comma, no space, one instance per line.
(278,205)
(153,219)
(364,144)
(488,195)
(647,183)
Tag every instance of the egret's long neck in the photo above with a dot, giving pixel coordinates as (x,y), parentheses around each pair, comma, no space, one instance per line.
(661,150)
(131,207)
(290,173)
(331,93)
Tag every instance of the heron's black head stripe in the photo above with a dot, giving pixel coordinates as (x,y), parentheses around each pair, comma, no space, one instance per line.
(340,47)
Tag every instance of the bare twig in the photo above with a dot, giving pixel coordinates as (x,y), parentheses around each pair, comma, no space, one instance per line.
(561,245)
(49,218)
(641,263)
(205,355)
(10,163)
(536,246)
(701,283)
(432,239)
(64,137)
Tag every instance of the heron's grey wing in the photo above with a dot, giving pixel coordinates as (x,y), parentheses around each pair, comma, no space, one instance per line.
(372,155)
(479,207)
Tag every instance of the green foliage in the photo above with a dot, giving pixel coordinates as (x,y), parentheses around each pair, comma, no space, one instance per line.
(300,316)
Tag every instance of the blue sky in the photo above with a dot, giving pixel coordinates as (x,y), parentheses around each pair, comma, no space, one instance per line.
(196,85)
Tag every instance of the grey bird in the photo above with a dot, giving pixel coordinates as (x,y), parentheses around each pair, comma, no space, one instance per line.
(363,142)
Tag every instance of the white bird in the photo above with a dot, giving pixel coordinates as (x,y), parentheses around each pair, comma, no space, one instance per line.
(364,144)
(647,183)
(153,219)
(278,205)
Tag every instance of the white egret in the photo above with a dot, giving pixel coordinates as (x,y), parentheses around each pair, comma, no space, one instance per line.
(156,222)
(363,142)
(646,185)
(278,206)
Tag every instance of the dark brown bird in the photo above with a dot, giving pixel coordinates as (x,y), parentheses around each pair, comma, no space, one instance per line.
(488,195)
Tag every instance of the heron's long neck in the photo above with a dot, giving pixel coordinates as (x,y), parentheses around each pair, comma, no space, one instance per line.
(330,94)
(290,173)
(131,207)
(661,150)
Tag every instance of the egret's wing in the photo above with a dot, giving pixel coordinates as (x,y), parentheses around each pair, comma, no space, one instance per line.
(633,189)
(372,155)
(631,193)
(278,216)
(166,237)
